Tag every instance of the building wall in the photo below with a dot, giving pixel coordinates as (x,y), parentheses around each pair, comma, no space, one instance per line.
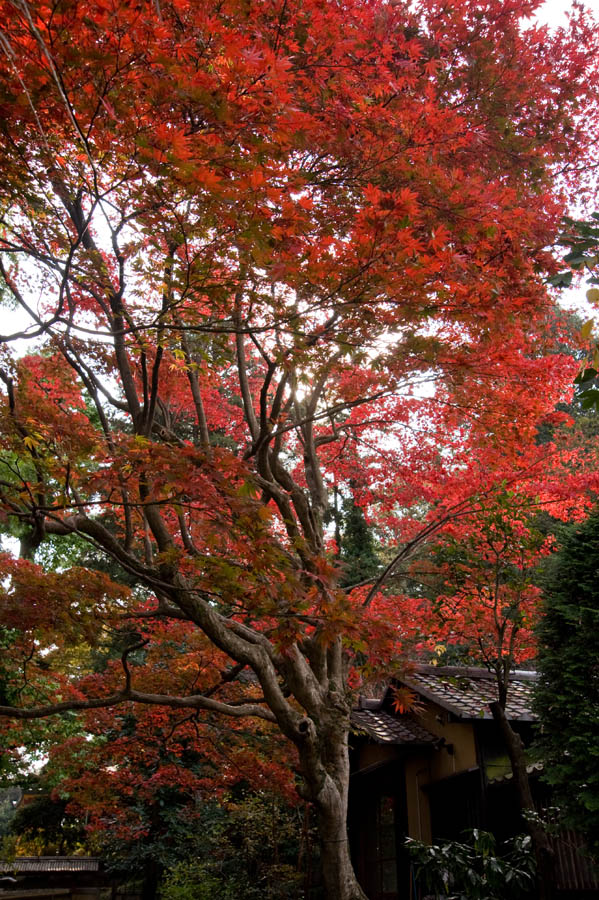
(423,766)
(417,774)
(459,750)
(457,754)
(370,754)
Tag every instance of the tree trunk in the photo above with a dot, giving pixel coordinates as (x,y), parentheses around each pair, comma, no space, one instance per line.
(151,876)
(340,882)
(544,856)
(338,874)
(325,767)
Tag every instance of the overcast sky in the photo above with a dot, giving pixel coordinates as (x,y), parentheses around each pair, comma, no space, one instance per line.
(554,11)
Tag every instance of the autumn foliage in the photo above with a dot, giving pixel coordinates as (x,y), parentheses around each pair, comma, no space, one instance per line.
(269,252)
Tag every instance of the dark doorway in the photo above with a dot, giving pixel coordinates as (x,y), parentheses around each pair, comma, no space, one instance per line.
(378,827)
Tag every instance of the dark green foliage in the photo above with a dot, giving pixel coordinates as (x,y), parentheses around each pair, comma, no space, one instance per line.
(567,696)
(358,549)
(587,392)
(248,850)
(476,870)
(9,799)
(47,828)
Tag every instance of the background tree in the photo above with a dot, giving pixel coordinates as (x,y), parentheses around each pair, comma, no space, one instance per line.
(358,552)
(567,695)
(43,827)
(246,235)
(249,850)
(486,604)
(170,783)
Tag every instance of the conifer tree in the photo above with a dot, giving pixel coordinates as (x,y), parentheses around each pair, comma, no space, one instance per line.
(567,697)
(358,550)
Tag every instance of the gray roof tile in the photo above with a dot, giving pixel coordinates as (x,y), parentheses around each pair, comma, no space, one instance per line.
(467,692)
(24,864)
(385,728)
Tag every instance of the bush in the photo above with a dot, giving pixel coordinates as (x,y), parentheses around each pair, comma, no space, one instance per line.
(476,870)
(248,848)
(202,881)
(190,881)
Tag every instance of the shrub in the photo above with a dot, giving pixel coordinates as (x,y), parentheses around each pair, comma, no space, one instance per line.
(475,870)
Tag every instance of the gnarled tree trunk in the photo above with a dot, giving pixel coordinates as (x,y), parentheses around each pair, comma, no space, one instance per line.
(325,767)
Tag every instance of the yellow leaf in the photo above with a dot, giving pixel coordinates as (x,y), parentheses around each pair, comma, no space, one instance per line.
(593,295)
(587,328)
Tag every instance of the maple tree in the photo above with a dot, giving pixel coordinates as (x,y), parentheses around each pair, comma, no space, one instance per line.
(168,779)
(480,600)
(486,605)
(486,596)
(270,251)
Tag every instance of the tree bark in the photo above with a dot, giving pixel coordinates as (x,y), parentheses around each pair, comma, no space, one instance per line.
(338,875)
(325,767)
(544,856)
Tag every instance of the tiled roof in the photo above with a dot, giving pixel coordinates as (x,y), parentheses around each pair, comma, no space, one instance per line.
(24,864)
(387,729)
(467,692)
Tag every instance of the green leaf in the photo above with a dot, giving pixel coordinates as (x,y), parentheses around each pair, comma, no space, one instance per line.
(575,259)
(562,279)
(590,398)
(585,375)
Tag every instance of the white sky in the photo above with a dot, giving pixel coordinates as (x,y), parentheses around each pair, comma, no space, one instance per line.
(553,12)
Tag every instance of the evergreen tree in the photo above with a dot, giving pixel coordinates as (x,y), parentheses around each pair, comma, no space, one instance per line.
(567,697)
(358,549)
